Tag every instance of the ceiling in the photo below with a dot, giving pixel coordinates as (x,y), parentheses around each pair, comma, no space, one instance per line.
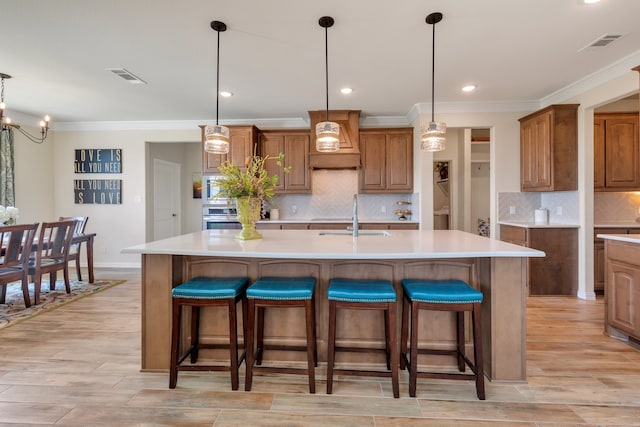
(272,55)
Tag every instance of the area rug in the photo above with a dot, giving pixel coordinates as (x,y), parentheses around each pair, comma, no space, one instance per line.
(14,311)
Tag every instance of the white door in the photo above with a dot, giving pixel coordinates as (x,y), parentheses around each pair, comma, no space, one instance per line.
(166,199)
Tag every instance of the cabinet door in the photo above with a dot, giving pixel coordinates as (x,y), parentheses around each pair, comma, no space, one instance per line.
(557,272)
(535,153)
(298,180)
(272,144)
(598,154)
(598,266)
(622,154)
(399,150)
(373,173)
(623,297)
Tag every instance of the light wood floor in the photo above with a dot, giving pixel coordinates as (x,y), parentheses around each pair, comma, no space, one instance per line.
(79,365)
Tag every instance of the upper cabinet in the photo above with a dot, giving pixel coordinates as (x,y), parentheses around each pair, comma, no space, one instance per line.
(294,144)
(242,144)
(548,149)
(387,160)
(616,152)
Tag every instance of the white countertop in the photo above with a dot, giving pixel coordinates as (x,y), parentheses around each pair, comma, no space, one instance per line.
(531,224)
(631,238)
(310,244)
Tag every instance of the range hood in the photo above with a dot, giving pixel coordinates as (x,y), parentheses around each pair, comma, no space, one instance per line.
(348,157)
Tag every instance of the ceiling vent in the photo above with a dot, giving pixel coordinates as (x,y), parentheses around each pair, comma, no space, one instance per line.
(602,41)
(127,75)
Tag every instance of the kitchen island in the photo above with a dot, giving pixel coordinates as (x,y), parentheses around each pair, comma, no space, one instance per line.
(622,287)
(497,268)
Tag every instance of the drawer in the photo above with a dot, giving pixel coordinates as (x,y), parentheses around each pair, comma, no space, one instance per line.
(517,235)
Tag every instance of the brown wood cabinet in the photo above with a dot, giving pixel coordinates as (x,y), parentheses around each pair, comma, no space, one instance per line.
(295,146)
(557,272)
(387,160)
(242,145)
(599,272)
(622,289)
(548,149)
(337,226)
(616,152)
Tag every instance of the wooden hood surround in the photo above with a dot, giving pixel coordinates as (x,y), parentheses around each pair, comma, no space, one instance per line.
(349,155)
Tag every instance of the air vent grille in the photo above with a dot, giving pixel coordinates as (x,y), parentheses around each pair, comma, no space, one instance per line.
(602,41)
(127,75)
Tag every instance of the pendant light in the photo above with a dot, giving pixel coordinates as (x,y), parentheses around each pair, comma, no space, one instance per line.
(433,134)
(217,137)
(327,132)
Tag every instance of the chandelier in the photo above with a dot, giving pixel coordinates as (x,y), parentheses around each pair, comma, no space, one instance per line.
(6,124)
(433,134)
(217,137)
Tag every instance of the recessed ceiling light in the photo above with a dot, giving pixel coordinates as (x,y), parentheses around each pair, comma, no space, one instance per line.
(590,1)
(469,88)
(226,93)
(346,90)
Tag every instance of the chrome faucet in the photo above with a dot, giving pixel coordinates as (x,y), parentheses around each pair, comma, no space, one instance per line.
(355,215)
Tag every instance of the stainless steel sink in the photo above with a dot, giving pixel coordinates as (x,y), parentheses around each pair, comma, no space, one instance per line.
(350,233)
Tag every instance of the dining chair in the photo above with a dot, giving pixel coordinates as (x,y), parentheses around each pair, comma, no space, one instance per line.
(52,254)
(74,251)
(15,247)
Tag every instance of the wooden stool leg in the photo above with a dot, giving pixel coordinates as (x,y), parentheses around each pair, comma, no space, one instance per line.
(233,344)
(311,343)
(331,351)
(245,322)
(393,344)
(460,339)
(175,345)
(315,345)
(195,333)
(260,336)
(413,360)
(404,334)
(387,342)
(249,345)
(477,351)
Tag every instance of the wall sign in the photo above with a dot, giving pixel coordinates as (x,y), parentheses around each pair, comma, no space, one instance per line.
(97,191)
(98,160)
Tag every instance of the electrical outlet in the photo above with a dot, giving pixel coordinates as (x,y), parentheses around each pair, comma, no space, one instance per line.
(512,210)
(559,210)
(294,209)
(383,209)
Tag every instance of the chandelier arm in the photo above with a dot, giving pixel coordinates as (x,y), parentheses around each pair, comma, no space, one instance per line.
(34,139)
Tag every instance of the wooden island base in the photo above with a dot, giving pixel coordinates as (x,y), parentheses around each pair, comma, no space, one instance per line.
(501,279)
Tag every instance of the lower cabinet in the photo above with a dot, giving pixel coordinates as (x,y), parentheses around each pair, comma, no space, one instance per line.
(599,272)
(557,272)
(265,225)
(622,289)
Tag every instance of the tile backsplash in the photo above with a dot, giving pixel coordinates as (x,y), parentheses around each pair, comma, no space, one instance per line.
(562,205)
(616,206)
(332,197)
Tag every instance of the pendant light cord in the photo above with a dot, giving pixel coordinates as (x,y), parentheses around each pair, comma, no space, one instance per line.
(433,72)
(217,77)
(326,66)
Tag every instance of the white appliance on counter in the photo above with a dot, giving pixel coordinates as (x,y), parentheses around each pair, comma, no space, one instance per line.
(217,212)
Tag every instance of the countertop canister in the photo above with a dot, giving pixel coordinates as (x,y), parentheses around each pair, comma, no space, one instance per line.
(541,216)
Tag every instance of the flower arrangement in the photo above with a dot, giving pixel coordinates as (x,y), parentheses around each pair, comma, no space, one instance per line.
(8,215)
(253,181)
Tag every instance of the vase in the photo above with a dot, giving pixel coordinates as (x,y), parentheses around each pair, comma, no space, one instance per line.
(248,210)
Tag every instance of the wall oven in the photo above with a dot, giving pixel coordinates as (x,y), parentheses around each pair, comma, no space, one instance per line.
(217,212)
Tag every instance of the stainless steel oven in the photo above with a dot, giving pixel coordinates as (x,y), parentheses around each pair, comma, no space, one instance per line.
(217,212)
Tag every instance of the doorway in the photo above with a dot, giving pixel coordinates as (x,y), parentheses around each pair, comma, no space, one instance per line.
(441,195)
(166,199)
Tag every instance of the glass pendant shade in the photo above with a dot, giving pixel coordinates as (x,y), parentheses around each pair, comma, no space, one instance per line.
(216,139)
(327,137)
(433,136)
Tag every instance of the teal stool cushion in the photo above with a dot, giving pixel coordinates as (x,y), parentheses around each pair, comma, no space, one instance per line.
(353,290)
(441,291)
(282,288)
(211,288)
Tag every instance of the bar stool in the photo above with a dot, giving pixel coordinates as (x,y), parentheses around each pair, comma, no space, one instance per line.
(280,292)
(206,292)
(364,295)
(442,295)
